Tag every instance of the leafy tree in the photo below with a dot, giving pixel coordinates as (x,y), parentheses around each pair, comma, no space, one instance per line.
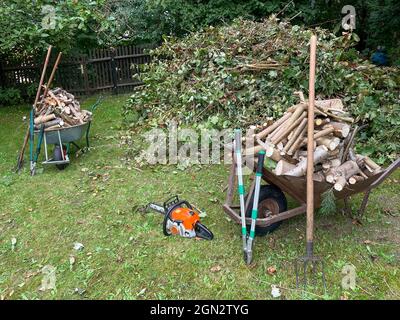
(29,26)
(377,21)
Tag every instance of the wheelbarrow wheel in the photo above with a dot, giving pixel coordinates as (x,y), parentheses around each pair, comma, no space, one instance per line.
(272,201)
(57,156)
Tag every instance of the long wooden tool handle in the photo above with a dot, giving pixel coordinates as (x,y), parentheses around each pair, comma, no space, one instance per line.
(21,154)
(53,72)
(310,145)
(39,89)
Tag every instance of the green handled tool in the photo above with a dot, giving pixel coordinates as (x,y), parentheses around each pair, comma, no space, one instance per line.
(238,153)
(254,211)
(31,139)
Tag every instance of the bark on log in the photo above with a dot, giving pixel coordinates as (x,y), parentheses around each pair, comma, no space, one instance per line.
(330,104)
(318,176)
(340,183)
(321,122)
(295,135)
(278,130)
(44,118)
(290,128)
(346,170)
(355,179)
(320,134)
(254,150)
(342,130)
(283,166)
(275,125)
(330,142)
(370,164)
(297,143)
(320,154)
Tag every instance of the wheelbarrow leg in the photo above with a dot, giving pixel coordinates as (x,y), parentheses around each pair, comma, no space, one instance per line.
(347,208)
(87,134)
(364,203)
(38,147)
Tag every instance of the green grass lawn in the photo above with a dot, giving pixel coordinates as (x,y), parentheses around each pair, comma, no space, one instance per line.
(126,255)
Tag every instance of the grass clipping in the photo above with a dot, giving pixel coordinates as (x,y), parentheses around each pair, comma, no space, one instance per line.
(240,74)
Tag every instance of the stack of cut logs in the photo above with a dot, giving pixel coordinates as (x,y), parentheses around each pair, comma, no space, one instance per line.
(59,109)
(335,161)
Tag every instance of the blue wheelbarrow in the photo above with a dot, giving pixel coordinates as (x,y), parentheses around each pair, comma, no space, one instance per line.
(61,138)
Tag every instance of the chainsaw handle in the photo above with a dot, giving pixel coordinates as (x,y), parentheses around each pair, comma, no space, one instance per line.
(179,204)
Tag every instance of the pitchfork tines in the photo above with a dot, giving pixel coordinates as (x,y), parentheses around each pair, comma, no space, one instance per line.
(309,267)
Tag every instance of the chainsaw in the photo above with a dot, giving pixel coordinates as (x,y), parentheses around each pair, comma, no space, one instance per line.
(181,218)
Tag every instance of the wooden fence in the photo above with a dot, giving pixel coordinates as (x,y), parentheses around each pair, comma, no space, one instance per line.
(101,70)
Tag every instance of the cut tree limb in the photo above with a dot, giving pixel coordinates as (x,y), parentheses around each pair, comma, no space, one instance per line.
(275,125)
(290,128)
(45,118)
(320,134)
(320,154)
(330,142)
(346,170)
(295,135)
(297,143)
(356,178)
(342,130)
(282,167)
(371,165)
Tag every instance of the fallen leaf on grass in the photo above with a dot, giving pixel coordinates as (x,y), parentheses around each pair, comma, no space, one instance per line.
(79,291)
(71,262)
(78,246)
(49,278)
(271,270)
(31,274)
(216,269)
(142,292)
(275,292)
(13,243)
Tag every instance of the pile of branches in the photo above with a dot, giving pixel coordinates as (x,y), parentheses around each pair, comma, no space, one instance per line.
(59,109)
(237,75)
(335,160)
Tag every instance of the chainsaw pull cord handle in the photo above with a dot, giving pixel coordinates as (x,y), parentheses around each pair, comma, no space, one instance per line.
(254,211)
(238,154)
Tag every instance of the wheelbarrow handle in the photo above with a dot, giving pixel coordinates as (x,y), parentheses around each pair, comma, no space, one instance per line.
(96,104)
(387,173)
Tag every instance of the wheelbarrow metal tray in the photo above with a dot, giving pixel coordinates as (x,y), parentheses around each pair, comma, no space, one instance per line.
(67,134)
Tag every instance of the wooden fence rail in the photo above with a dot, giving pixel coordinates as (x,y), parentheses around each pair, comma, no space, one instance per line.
(101,70)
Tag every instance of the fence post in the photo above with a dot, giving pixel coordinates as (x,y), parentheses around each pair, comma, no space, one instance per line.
(113,67)
(85,74)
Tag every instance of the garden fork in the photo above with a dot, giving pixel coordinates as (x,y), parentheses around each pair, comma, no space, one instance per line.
(310,262)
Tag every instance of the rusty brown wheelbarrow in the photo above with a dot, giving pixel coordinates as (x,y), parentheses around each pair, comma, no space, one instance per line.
(273,209)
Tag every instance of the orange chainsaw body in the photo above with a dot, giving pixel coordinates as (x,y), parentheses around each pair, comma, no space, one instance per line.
(188,217)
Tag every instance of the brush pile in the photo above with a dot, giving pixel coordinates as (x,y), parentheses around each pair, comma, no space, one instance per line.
(335,161)
(237,75)
(59,109)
